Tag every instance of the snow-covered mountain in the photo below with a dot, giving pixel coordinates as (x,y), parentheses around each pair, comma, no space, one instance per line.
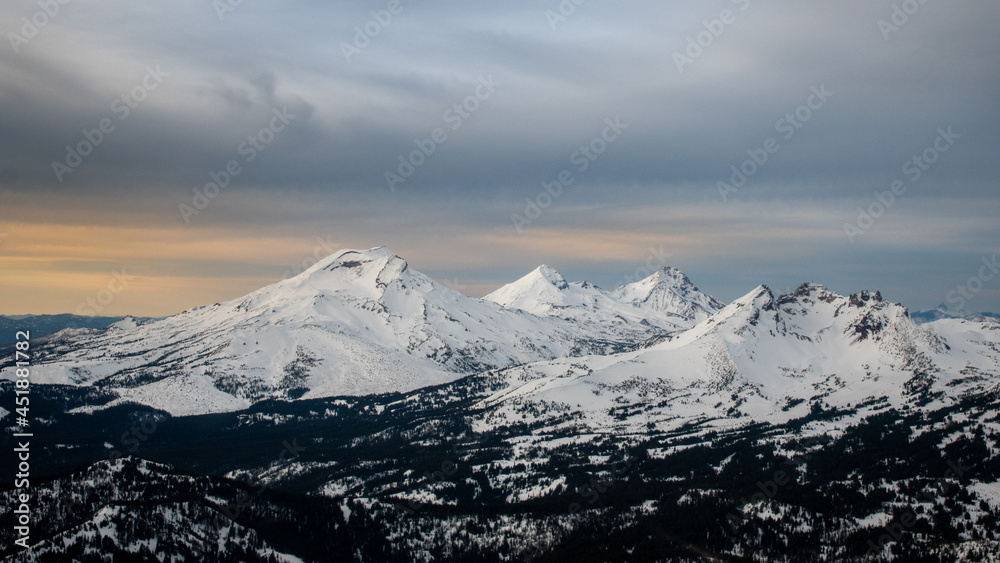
(943,312)
(764,358)
(670,292)
(666,299)
(357,322)
(363,322)
(809,426)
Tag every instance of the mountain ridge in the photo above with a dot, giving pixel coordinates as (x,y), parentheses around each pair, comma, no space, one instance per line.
(356,322)
(362,321)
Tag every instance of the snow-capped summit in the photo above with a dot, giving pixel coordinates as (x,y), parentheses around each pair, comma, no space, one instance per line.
(814,314)
(666,300)
(375,267)
(539,292)
(361,272)
(376,275)
(669,291)
(549,274)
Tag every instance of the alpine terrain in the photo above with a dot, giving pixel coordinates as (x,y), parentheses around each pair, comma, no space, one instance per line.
(361,411)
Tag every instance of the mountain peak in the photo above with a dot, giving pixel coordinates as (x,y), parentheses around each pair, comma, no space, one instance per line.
(809,287)
(350,258)
(541,286)
(666,276)
(761,295)
(863,298)
(360,262)
(809,292)
(549,275)
(669,273)
(668,290)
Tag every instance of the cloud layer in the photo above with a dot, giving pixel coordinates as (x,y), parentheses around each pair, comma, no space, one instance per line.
(207,149)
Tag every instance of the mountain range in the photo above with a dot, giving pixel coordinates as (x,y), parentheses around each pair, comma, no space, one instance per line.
(44,325)
(361,322)
(361,411)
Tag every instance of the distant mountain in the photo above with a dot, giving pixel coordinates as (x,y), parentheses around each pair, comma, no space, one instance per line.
(357,322)
(670,292)
(764,358)
(666,299)
(943,312)
(44,325)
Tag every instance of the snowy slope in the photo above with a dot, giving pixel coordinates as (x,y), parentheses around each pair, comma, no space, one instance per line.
(764,358)
(357,322)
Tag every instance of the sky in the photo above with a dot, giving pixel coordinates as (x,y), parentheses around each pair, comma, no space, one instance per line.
(156,157)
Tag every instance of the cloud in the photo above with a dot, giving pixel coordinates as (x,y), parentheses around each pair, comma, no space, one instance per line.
(325,174)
